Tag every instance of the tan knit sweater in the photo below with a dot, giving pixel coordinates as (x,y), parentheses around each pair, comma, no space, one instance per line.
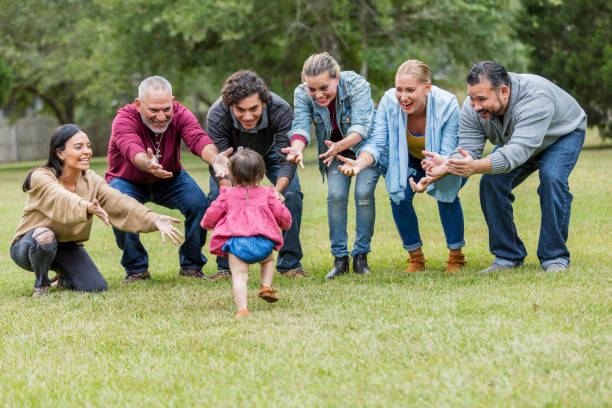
(50,204)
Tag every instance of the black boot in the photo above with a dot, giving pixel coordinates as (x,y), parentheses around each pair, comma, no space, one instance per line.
(341,266)
(360,264)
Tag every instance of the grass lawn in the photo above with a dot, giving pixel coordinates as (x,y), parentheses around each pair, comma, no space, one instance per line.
(520,338)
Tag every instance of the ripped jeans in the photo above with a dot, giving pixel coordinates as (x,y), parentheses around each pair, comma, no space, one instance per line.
(338,187)
(38,251)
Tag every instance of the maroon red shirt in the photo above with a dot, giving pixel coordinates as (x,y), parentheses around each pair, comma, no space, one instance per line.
(130,136)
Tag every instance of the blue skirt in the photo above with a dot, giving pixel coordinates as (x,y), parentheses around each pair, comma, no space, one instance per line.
(249,249)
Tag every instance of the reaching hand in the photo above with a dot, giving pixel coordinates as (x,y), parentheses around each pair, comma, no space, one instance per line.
(350,167)
(422,185)
(220,163)
(294,155)
(333,149)
(280,196)
(165,227)
(434,164)
(154,167)
(95,209)
(463,167)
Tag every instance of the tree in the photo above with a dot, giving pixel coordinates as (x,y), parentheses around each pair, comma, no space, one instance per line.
(571,44)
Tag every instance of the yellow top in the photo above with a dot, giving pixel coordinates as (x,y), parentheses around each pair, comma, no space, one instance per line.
(416,144)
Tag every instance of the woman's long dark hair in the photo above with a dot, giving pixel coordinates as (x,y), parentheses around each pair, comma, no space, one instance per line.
(58,142)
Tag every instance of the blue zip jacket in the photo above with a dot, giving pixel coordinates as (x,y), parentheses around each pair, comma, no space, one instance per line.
(354,112)
(388,146)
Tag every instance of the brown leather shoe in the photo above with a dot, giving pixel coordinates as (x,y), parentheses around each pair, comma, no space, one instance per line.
(268,294)
(192,273)
(57,281)
(242,313)
(298,272)
(455,263)
(416,263)
(135,277)
(221,273)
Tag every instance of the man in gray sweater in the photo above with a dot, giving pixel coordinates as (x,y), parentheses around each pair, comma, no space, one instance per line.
(534,125)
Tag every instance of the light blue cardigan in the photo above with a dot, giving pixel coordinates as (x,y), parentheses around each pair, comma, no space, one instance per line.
(388,146)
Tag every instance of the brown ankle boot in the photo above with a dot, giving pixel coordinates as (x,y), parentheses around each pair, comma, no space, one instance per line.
(416,263)
(455,263)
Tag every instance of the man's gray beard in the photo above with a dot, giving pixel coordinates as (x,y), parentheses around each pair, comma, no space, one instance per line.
(157,132)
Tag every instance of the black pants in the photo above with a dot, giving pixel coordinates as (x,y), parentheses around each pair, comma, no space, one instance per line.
(68,259)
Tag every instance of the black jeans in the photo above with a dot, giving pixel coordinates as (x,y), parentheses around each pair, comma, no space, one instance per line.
(68,259)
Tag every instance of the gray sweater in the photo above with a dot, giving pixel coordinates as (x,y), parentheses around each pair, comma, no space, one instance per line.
(538,114)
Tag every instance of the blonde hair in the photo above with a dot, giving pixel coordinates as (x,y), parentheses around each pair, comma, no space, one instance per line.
(316,64)
(417,69)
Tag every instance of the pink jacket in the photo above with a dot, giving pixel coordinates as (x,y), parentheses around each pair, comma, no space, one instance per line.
(245,212)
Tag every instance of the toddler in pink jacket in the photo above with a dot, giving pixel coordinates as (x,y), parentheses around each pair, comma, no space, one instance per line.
(246,220)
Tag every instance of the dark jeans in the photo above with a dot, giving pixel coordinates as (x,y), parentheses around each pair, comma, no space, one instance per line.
(181,193)
(66,258)
(407,223)
(555,165)
(290,255)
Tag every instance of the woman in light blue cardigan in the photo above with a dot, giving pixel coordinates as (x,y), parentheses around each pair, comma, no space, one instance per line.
(414,117)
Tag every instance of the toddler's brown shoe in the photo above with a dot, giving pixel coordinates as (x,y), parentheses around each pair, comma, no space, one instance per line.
(268,294)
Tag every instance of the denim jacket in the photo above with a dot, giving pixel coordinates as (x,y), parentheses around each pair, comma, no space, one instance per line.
(389,148)
(354,108)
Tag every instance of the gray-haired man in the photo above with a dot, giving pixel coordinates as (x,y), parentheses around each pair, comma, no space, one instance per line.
(144,163)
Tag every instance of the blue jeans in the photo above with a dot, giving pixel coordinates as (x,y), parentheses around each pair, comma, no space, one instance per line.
(338,187)
(290,255)
(496,198)
(181,193)
(451,216)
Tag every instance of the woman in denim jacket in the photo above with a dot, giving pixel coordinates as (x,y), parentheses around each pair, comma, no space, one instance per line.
(340,107)
(413,119)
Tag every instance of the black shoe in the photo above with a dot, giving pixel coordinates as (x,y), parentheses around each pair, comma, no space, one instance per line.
(341,266)
(360,264)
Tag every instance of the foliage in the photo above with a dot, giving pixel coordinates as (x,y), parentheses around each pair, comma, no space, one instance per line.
(571,44)
(84,59)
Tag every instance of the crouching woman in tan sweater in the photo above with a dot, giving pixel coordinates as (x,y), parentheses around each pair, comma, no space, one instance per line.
(63,197)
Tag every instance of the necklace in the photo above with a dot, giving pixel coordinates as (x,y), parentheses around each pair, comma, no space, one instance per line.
(157,146)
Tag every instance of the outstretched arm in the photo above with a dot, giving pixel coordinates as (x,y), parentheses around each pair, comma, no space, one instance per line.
(353,167)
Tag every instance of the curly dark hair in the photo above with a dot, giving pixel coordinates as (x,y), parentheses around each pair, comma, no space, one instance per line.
(247,167)
(243,84)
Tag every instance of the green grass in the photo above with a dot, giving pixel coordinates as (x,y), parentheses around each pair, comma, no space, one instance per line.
(519,338)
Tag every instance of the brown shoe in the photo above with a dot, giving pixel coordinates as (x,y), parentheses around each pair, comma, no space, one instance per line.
(416,264)
(298,272)
(242,313)
(57,281)
(192,273)
(455,263)
(135,277)
(40,291)
(268,294)
(221,273)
